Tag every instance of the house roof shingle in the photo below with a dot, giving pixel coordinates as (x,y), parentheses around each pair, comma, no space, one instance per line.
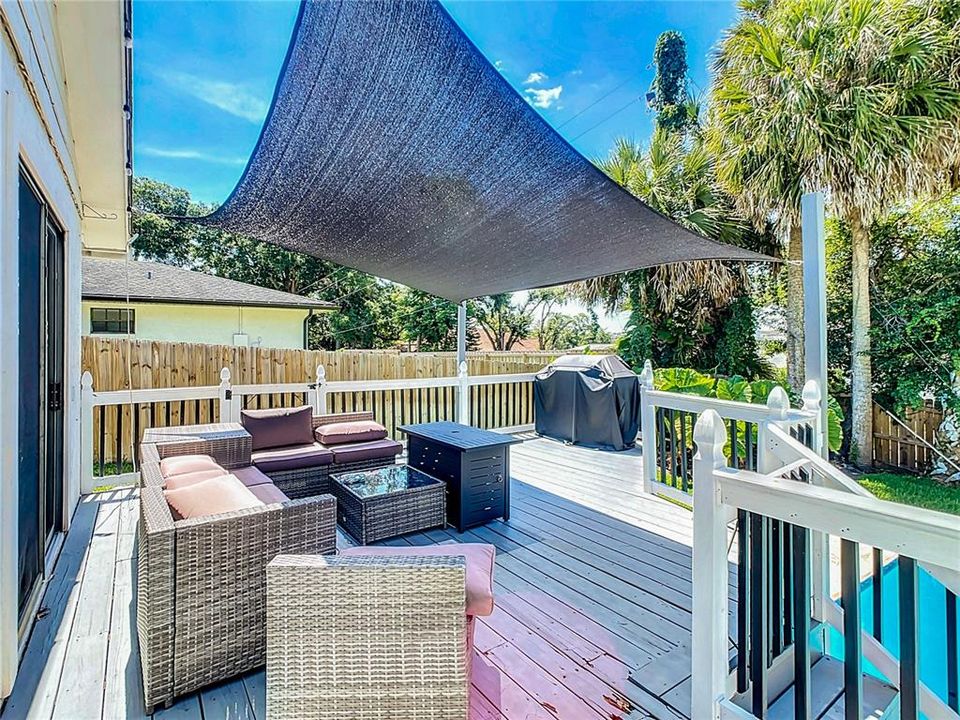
(106,279)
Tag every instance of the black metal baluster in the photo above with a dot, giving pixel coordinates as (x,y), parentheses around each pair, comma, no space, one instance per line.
(684,474)
(673,448)
(733,443)
(850,595)
(776,591)
(909,659)
(743,600)
(136,434)
(801,614)
(789,620)
(661,449)
(759,638)
(750,462)
(877,583)
(953,671)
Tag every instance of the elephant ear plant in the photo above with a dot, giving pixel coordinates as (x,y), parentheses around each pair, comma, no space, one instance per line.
(739,389)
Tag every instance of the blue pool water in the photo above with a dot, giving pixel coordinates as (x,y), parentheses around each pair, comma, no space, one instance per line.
(932,626)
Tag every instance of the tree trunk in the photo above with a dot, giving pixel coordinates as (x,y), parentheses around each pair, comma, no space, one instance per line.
(795,365)
(861,442)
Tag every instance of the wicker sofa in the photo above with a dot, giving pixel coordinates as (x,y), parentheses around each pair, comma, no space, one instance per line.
(314,477)
(201,598)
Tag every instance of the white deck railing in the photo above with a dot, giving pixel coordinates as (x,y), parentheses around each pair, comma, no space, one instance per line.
(823,503)
(113,421)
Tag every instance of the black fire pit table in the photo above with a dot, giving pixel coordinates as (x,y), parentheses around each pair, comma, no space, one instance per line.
(474,463)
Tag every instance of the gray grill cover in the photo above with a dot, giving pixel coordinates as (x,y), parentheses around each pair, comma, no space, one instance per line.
(589,400)
(394,147)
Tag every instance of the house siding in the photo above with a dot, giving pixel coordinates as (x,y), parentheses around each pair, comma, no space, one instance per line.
(35,133)
(210,324)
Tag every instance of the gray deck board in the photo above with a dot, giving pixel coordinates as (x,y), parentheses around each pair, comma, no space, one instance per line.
(593,616)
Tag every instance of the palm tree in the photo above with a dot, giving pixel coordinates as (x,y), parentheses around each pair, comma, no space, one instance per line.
(675,176)
(859,97)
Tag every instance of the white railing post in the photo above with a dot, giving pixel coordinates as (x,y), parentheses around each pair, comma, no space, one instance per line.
(778,405)
(226,395)
(320,391)
(648,434)
(463,394)
(86,433)
(709,650)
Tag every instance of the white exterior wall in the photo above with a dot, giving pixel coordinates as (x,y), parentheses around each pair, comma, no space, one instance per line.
(35,131)
(210,324)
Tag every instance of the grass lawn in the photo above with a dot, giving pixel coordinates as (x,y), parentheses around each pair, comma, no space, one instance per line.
(910,490)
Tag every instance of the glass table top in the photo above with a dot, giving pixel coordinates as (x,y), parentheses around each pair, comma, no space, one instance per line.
(383,481)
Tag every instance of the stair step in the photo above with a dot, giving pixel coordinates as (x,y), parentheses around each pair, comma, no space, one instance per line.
(826,694)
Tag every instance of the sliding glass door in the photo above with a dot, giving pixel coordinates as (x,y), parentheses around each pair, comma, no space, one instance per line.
(41,355)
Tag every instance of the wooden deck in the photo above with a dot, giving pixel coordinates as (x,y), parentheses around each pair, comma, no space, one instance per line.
(592,619)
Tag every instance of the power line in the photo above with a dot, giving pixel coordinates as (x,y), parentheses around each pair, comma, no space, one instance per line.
(594,103)
(436,303)
(608,117)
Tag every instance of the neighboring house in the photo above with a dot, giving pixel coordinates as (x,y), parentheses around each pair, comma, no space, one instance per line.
(65,165)
(153,301)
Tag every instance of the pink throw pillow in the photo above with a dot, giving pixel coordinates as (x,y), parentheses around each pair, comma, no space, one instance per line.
(176,482)
(350,432)
(211,497)
(182,464)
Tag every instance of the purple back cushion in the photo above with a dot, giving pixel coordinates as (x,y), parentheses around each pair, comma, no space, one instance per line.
(350,432)
(278,427)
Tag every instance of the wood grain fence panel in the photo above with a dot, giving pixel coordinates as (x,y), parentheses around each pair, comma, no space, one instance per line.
(905,445)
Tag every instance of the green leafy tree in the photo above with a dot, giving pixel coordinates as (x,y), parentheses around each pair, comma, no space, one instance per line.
(861,97)
(502,320)
(675,110)
(567,332)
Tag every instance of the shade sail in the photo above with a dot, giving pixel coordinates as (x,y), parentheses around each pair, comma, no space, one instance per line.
(393,146)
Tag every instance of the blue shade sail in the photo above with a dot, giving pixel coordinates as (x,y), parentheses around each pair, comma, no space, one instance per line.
(393,146)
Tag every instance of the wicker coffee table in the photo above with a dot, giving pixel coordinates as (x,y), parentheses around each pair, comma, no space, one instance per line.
(378,504)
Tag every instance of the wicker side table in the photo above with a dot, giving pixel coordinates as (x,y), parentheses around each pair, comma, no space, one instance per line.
(384,503)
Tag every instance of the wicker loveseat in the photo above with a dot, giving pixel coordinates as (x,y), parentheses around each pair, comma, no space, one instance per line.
(304,470)
(201,582)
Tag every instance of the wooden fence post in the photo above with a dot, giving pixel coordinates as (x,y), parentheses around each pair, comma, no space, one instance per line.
(647,429)
(319,391)
(709,648)
(86,433)
(226,397)
(463,395)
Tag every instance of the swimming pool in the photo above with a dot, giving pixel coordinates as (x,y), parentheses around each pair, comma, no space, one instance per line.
(932,626)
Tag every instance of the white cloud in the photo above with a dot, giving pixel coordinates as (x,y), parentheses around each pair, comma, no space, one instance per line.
(498,65)
(535,78)
(230,97)
(199,156)
(545,97)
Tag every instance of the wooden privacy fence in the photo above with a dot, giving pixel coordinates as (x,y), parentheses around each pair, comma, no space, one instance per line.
(121,364)
(113,421)
(906,442)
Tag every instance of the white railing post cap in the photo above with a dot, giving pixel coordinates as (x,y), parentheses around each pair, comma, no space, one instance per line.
(710,435)
(86,381)
(778,402)
(224,375)
(811,395)
(646,377)
(321,375)
(462,369)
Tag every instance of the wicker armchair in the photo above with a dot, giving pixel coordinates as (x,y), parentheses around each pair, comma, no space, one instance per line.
(316,480)
(366,638)
(201,600)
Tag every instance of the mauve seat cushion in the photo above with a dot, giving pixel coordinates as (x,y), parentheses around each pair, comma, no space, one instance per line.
(358,452)
(251,476)
(175,482)
(182,464)
(350,432)
(292,458)
(268,493)
(278,427)
(480,563)
(211,497)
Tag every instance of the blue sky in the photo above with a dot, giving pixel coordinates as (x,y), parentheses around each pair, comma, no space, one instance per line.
(204,72)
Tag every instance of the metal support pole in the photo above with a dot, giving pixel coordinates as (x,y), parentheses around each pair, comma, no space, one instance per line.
(461,333)
(815,304)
